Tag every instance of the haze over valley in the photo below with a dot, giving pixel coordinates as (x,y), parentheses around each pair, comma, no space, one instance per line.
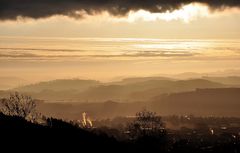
(69,98)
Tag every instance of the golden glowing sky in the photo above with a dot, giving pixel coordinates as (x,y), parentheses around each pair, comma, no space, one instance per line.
(191,39)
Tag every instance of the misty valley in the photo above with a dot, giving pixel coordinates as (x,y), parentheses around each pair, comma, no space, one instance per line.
(142,113)
(69,98)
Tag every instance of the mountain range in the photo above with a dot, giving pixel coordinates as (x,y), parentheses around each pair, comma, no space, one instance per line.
(131,89)
(69,98)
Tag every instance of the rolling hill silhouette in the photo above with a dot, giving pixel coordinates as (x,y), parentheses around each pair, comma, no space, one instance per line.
(139,89)
(201,102)
(208,102)
(59,85)
(230,80)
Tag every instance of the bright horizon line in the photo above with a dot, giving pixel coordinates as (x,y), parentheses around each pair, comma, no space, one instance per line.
(126,38)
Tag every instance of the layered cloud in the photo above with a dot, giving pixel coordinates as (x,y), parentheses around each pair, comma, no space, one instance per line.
(27,55)
(14,9)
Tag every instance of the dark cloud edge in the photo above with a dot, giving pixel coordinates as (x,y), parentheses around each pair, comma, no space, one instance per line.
(15,9)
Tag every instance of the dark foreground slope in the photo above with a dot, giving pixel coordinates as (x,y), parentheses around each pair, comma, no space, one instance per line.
(20,135)
(17,133)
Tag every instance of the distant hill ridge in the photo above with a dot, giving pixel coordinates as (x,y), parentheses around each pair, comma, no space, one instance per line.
(59,85)
(127,90)
(215,101)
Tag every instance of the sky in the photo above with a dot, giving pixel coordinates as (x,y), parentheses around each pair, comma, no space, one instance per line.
(102,39)
(47,18)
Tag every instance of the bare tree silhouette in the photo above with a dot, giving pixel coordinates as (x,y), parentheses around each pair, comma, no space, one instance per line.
(19,105)
(147,123)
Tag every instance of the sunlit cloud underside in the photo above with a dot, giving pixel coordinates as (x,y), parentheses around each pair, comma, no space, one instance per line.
(186,14)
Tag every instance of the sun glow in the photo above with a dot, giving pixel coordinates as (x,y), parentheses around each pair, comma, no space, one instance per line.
(186,13)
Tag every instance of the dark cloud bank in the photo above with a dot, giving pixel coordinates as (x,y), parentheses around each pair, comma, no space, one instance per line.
(12,9)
